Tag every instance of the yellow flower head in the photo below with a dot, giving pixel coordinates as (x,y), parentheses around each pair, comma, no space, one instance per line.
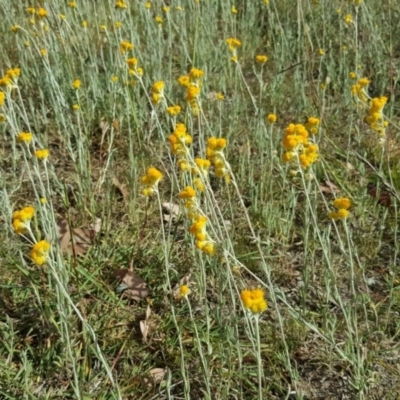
(25,137)
(184,291)
(342,202)
(151,180)
(40,252)
(42,154)
(272,118)
(253,300)
(2,98)
(126,46)
(174,110)
(348,19)
(158,87)
(233,44)
(120,4)
(261,59)
(192,92)
(76,84)
(184,80)
(196,73)
(132,62)
(187,193)
(41,12)
(159,20)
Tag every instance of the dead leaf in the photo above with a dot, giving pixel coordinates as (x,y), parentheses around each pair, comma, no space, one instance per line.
(383,196)
(131,284)
(156,376)
(121,188)
(76,241)
(170,212)
(329,188)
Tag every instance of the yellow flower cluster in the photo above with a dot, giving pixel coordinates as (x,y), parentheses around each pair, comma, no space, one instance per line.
(215,155)
(157,92)
(375,115)
(359,89)
(42,154)
(133,68)
(297,146)
(179,141)
(261,59)
(174,110)
(198,230)
(22,219)
(233,44)
(76,84)
(272,118)
(40,252)
(120,4)
(254,300)
(348,19)
(10,78)
(126,46)
(342,204)
(25,137)
(151,181)
(192,82)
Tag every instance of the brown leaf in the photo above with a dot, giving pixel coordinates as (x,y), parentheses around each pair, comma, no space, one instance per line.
(76,241)
(131,284)
(383,196)
(121,188)
(329,188)
(156,376)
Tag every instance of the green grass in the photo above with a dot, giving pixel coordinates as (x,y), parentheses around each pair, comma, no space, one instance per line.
(331,329)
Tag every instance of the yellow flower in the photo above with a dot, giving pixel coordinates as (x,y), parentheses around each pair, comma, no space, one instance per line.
(253,300)
(63,17)
(76,107)
(184,291)
(25,137)
(118,24)
(234,10)
(158,87)
(72,4)
(348,19)
(41,12)
(43,200)
(342,202)
(184,80)
(120,4)
(187,193)
(42,154)
(159,20)
(272,118)
(148,5)
(174,110)
(321,52)
(76,84)
(166,9)
(43,52)
(352,75)
(261,59)
(220,96)
(2,98)
(114,78)
(31,10)
(196,73)
(151,180)
(84,24)
(40,252)
(26,214)
(192,92)
(15,28)
(126,46)
(132,62)
(233,43)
